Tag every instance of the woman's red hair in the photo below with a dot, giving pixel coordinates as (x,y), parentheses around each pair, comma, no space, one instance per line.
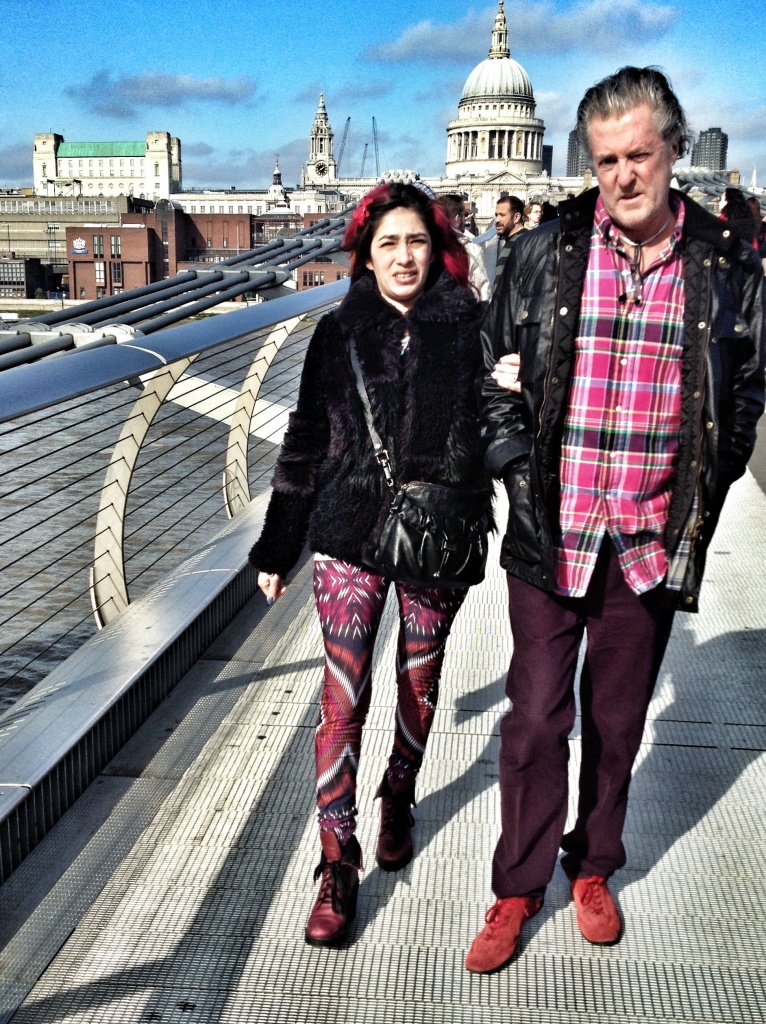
(447,249)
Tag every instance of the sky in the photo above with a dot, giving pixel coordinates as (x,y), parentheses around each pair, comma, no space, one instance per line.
(238,81)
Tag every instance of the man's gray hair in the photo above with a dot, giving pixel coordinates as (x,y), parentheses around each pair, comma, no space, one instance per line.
(625,89)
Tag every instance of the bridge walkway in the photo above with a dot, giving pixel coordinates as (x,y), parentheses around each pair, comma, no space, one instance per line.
(176,889)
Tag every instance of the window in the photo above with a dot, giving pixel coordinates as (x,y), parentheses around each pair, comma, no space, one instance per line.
(225,242)
(116,273)
(116,245)
(194,208)
(100,268)
(98,245)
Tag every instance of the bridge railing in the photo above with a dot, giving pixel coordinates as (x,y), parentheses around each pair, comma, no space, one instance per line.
(134,480)
(120,462)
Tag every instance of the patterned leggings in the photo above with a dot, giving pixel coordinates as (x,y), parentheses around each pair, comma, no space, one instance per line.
(350,603)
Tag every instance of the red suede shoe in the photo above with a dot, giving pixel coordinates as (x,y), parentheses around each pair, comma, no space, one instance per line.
(597,915)
(335,906)
(496,943)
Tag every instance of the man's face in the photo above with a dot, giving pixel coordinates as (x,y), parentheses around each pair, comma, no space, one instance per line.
(506,223)
(634,167)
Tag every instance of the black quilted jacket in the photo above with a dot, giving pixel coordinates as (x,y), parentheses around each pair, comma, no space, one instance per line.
(536,311)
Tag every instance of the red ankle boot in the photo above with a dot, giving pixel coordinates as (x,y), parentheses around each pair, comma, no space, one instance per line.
(395,838)
(335,906)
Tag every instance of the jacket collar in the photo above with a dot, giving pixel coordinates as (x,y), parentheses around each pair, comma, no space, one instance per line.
(578,214)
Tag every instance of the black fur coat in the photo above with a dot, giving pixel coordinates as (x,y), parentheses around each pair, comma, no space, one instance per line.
(326,482)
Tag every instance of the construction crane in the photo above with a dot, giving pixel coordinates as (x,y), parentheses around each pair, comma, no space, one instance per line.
(375,141)
(342,146)
(364,159)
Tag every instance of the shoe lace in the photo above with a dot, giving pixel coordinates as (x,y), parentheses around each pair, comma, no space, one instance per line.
(493,912)
(334,885)
(396,816)
(593,894)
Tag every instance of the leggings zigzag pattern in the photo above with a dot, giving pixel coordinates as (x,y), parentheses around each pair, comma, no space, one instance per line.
(350,602)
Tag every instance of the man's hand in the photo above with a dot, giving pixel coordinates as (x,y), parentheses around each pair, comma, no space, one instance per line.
(506,372)
(272,585)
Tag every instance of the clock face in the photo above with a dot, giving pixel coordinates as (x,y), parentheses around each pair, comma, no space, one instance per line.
(321,167)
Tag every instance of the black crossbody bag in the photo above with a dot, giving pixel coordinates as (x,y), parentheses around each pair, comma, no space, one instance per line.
(434,535)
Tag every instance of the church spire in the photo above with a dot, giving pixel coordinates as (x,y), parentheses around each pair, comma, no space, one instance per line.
(499,47)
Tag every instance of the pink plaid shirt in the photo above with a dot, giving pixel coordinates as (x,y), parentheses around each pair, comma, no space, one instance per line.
(621,430)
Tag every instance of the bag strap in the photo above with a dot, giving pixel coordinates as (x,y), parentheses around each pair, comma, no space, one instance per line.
(381,455)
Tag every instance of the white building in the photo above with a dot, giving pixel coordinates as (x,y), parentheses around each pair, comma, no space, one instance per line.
(496,129)
(147,170)
(494,146)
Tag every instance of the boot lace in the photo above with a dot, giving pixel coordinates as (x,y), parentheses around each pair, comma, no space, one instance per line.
(335,885)
(396,816)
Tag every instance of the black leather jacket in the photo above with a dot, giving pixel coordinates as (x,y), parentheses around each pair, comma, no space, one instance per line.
(535,312)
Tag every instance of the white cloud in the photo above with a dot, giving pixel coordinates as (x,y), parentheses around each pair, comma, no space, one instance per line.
(246,168)
(122,96)
(16,165)
(535,26)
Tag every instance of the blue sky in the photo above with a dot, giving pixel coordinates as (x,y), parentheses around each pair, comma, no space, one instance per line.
(238,80)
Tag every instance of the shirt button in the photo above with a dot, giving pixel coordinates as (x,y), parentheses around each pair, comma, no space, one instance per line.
(618,408)
(612,455)
(623,362)
(563,311)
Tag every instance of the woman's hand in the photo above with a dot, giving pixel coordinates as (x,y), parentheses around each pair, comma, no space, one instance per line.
(272,585)
(506,372)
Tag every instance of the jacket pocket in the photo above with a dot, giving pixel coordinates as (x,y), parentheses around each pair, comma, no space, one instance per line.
(521,539)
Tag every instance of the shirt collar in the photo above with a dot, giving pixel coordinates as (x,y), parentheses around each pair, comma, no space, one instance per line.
(610,235)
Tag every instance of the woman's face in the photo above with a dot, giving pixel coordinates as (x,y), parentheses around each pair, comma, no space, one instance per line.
(400,257)
(535,214)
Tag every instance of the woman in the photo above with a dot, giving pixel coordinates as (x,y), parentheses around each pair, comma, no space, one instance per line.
(414,323)
(533,214)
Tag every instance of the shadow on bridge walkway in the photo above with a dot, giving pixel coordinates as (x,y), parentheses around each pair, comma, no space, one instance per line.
(177,888)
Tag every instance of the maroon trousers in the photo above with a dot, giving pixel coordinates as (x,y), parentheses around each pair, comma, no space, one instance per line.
(626,639)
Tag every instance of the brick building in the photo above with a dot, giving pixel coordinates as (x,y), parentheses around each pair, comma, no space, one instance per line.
(108,258)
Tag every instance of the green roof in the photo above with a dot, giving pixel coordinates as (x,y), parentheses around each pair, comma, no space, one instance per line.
(88,149)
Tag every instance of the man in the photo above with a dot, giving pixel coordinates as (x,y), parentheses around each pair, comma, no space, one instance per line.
(509,224)
(454,206)
(639,321)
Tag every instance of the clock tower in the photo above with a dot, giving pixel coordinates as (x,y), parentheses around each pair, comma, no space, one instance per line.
(320,169)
